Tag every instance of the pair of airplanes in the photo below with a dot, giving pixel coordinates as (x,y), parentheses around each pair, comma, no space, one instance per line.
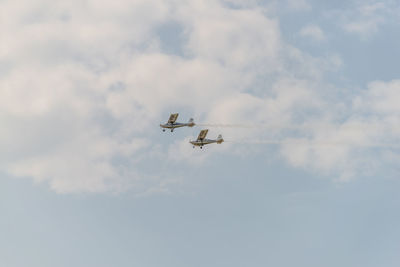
(201,139)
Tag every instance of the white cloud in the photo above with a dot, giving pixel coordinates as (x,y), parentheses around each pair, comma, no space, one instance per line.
(371,9)
(312,31)
(87,82)
(299,5)
(235,38)
(351,148)
(242,3)
(365,27)
(367,18)
(381,98)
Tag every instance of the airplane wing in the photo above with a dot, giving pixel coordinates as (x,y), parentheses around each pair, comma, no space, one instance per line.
(172,118)
(202,135)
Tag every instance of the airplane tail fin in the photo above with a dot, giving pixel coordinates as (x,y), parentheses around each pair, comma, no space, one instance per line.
(191,122)
(220,139)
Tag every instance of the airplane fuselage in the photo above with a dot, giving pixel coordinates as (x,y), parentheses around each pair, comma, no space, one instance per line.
(203,142)
(174,125)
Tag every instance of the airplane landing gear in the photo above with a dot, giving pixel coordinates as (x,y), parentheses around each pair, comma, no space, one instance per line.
(163,130)
(201,147)
(172,130)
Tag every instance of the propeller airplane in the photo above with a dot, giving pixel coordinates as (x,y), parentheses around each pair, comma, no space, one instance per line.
(172,124)
(201,140)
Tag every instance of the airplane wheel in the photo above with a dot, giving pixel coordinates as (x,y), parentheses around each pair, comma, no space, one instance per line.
(201,147)
(193,146)
(172,131)
(163,130)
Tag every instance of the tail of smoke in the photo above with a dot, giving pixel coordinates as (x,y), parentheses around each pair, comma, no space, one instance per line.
(312,143)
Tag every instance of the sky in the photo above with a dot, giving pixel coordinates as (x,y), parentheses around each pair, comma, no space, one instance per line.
(304,92)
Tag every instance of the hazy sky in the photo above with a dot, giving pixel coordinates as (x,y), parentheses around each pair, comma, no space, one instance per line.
(306,94)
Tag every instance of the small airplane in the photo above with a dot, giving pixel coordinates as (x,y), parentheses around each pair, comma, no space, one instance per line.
(201,140)
(172,124)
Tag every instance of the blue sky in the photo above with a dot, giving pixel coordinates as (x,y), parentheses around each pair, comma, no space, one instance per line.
(304,92)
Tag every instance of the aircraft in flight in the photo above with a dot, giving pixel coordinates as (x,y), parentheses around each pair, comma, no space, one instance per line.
(172,124)
(201,140)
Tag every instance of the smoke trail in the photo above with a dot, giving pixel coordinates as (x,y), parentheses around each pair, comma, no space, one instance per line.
(304,126)
(309,128)
(226,125)
(311,143)
(312,127)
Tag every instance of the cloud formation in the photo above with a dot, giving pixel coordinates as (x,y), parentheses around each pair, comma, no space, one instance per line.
(368,17)
(84,85)
(312,31)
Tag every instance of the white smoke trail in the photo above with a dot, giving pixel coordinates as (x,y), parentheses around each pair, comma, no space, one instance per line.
(312,143)
(307,130)
(227,125)
(304,126)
